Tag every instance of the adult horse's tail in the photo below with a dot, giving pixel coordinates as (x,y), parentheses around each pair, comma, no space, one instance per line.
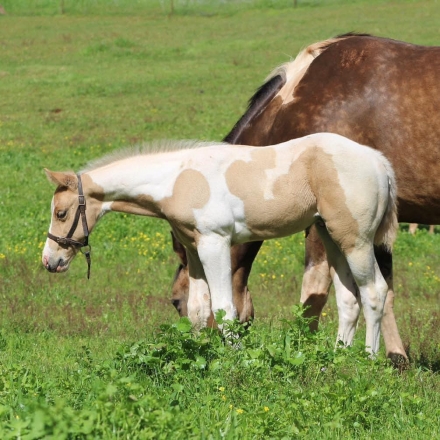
(387,230)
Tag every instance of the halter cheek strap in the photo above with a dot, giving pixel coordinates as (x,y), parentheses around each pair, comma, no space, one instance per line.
(84,247)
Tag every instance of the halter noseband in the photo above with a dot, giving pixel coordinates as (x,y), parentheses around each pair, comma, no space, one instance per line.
(68,240)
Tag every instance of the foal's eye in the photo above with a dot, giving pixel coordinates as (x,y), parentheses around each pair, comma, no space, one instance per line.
(61,215)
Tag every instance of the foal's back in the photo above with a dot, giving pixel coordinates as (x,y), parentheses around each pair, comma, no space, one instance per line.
(279,190)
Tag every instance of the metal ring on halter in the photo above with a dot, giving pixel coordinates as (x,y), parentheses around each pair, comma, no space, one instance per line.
(86,251)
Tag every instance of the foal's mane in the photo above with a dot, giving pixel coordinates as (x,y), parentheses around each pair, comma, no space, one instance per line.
(293,70)
(147,148)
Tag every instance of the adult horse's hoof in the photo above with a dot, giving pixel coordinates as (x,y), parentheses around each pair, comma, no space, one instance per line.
(399,361)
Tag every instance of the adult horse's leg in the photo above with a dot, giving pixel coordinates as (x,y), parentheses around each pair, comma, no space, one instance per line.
(180,289)
(393,344)
(242,258)
(413,228)
(316,280)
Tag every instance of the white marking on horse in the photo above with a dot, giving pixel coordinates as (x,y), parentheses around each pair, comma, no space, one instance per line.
(293,71)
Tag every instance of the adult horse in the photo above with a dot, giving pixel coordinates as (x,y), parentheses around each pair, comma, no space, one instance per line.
(378,92)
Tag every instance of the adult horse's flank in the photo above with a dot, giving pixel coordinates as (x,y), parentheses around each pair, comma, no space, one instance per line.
(378,92)
(218,195)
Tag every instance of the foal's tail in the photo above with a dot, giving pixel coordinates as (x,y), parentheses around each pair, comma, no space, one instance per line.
(387,230)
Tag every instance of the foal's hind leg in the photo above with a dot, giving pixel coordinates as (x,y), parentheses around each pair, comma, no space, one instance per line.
(347,294)
(373,290)
(315,286)
(372,285)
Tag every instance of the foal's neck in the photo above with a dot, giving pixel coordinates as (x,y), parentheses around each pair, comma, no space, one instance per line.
(136,185)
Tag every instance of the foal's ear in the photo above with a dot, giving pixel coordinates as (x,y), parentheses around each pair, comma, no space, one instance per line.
(66,179)
(179,249)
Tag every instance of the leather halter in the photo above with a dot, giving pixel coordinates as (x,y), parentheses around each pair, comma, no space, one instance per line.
(68,240)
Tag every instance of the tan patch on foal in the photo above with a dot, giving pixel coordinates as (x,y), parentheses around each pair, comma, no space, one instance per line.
(311,184)
(272,205)
(332,203)
(66,199)
(191,191)
(93,205)
(142,205)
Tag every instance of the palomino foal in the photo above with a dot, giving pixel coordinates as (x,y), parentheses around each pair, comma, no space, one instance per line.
(217,195)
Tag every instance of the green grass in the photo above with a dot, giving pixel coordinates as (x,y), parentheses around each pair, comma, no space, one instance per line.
(89,359)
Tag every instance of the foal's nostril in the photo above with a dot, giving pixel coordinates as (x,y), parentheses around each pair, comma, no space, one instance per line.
(47,265)
(50,268)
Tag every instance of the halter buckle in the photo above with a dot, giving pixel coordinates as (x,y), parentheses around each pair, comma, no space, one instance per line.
(62,240)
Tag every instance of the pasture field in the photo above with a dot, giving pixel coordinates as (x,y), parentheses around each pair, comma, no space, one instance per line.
(108,358)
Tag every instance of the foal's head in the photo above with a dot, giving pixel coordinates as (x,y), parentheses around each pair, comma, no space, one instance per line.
(70,224)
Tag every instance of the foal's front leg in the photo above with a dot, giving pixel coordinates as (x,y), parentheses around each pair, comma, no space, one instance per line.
(215,255)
